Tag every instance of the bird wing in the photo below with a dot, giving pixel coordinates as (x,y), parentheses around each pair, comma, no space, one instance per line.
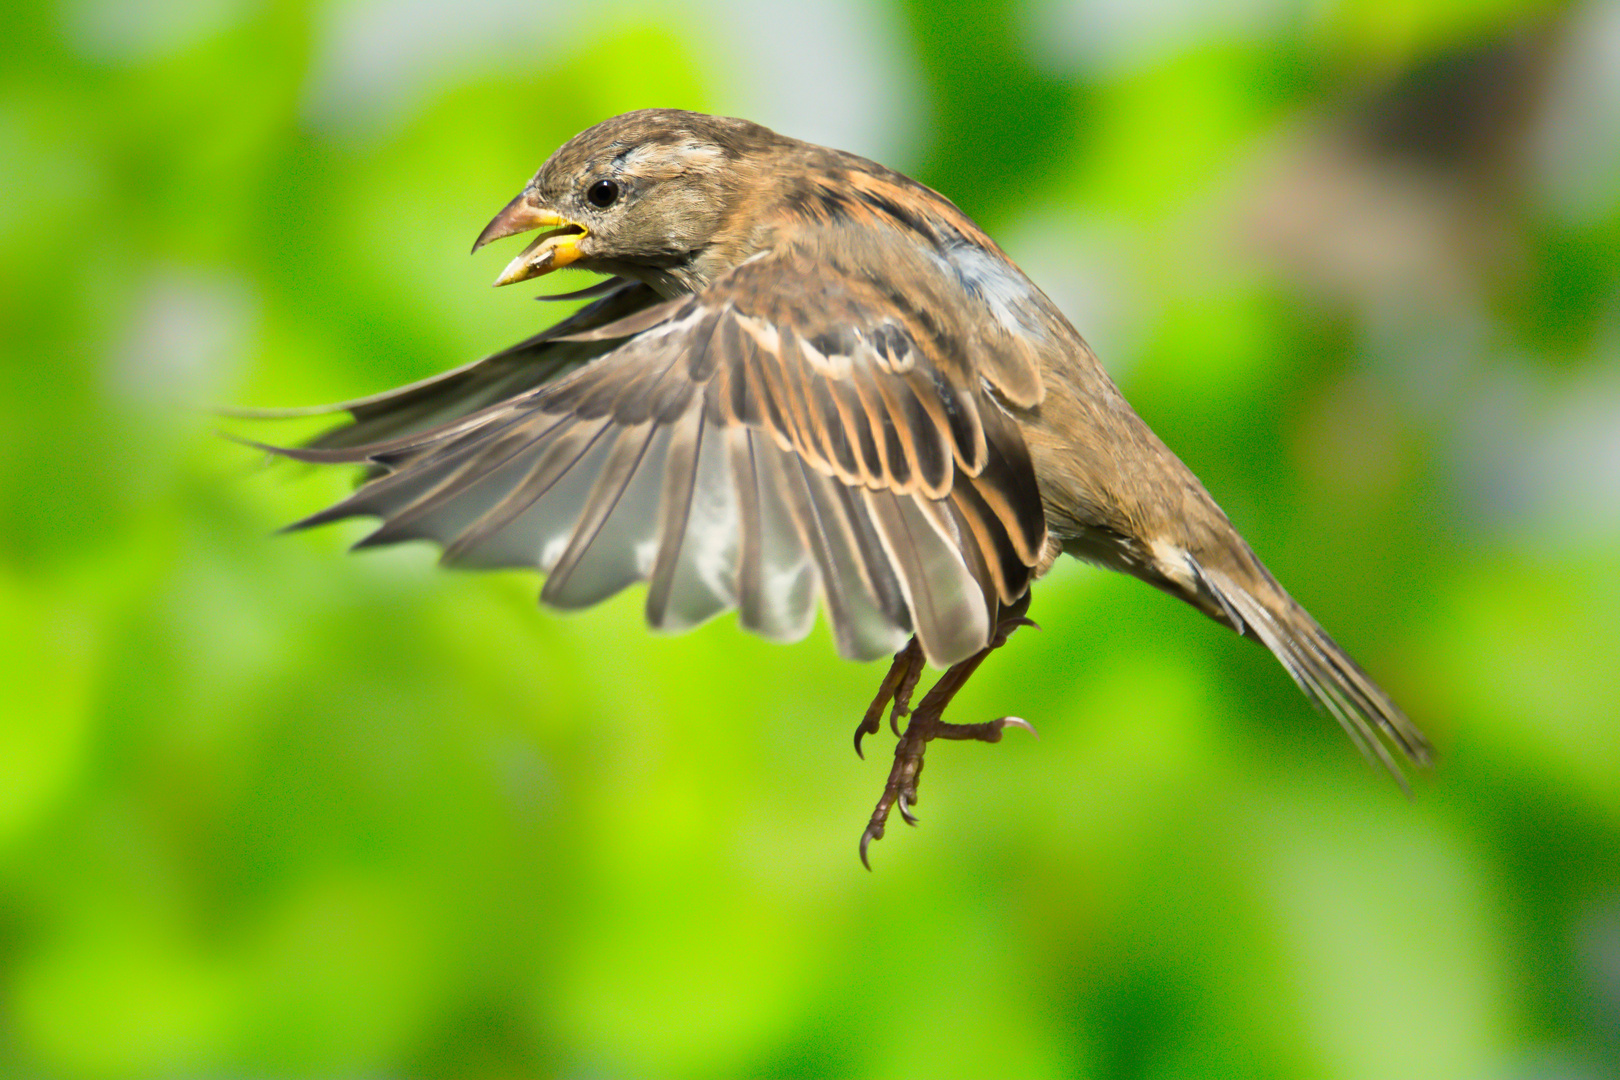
(797,429)
(451,394)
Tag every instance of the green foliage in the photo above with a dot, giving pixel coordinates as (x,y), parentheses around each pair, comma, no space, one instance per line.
(266,809)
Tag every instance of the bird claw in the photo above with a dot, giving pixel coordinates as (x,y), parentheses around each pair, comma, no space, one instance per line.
(873,832)
(1019,721)
(896,687)
(862,732)
(902,695)
(900,790)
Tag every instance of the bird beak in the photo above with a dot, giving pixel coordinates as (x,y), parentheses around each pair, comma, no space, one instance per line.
(550,251)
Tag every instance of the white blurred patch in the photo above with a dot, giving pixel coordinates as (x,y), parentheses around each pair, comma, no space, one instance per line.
(1542,460)
(839,73)
(1576,151)
(834,73)
(378,61)
(187,338)
(133,30)
(1114,37)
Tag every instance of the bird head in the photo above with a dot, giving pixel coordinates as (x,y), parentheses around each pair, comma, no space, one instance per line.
(643,195)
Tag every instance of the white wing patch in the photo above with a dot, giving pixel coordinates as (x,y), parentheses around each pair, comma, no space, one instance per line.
(1009,295)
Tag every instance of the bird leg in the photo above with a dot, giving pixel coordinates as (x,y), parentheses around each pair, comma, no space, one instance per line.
(926,724)
(897,686)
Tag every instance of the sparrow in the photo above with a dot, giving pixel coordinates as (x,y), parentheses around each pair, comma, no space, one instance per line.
(806,380)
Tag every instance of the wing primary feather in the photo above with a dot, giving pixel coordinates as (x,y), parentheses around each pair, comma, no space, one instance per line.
(1008,486)
(947,609)
(662,394)
(623,460)
(936,400)
(834,428)
(868,463)
(976,557)
(701,355)
(762,370)
(410,395)
(486,462)
(694,575)
(730,401)
(778,589)
(705,578)
(878,576)
(751,537)
(384,495)
(812,377)
(565,451)
(863,627)
(402,446)
(680,478)
(483,531)
(783,472)
(629,297)
(489,468)
(589,292)
(396,489)
(958,414)
(1002,561)
(497,382)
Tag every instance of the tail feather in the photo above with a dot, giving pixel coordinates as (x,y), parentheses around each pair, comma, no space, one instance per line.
(1325,672)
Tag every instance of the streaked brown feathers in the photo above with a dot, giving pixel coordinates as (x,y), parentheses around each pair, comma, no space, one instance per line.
(890,470)
(808,380)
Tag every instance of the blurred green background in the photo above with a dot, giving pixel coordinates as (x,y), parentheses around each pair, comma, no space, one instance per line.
(269,810)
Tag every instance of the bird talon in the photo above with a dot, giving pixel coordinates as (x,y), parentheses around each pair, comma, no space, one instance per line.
(872,833)
(905,805)
(896,687)
(861,732)
(902,707)
(1019,721)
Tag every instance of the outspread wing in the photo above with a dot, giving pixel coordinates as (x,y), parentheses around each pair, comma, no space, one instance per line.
(799,429)
(449,395)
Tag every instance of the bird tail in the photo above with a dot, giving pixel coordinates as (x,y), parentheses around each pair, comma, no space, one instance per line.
(1334,682)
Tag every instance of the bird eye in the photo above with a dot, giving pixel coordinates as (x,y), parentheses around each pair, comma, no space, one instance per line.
(603,194)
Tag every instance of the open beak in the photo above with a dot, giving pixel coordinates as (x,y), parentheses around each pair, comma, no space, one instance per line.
(551,250)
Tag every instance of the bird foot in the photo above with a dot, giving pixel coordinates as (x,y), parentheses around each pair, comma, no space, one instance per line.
(926,724)
(901,789)
(897,686)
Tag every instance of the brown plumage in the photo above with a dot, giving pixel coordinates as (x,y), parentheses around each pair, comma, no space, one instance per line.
(808,379)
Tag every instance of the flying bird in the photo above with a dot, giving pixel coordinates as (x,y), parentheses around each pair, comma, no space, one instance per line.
(806,380)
